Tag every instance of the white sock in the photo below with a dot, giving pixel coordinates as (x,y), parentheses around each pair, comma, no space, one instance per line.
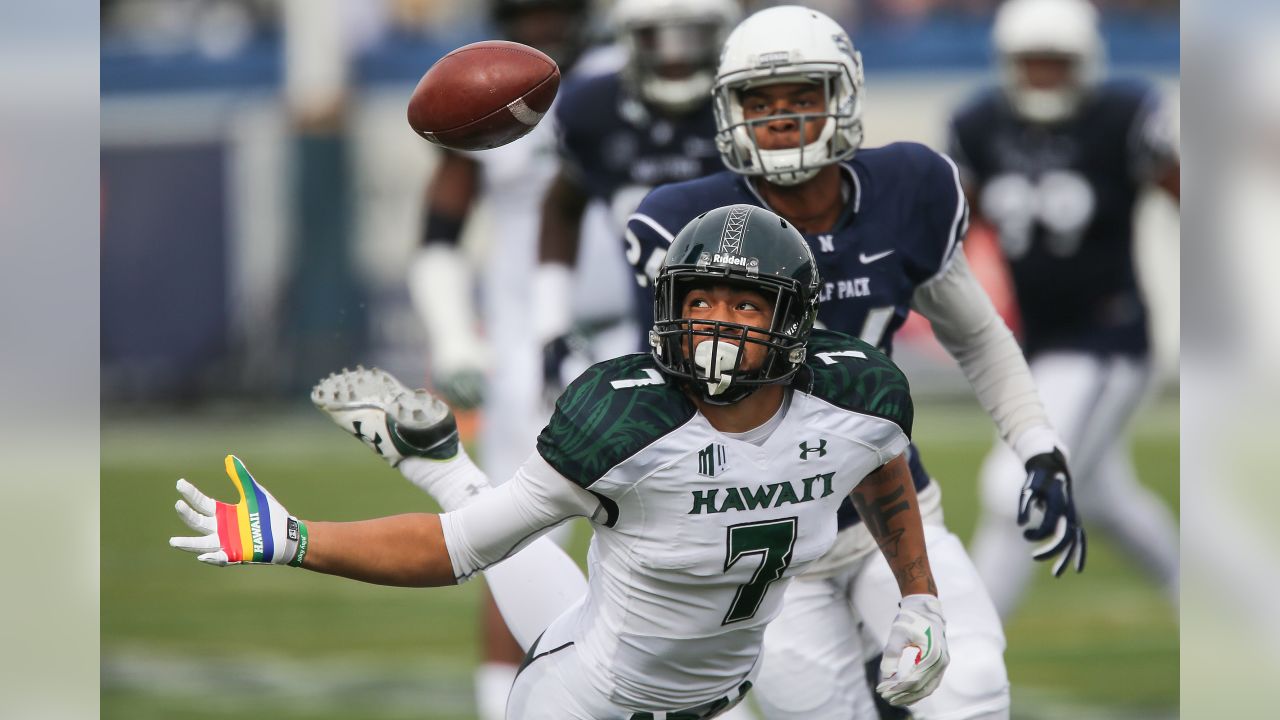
(493,682)
(451,483)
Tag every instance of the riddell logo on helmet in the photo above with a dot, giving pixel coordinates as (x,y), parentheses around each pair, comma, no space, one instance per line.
(780,57)
(737,260)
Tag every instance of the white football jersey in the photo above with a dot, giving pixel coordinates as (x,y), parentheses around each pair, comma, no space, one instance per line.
(704,530)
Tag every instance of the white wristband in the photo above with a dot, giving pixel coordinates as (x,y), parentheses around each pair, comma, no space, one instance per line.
(1037,441)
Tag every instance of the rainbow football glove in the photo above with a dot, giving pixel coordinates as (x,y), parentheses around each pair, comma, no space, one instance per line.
(255,530)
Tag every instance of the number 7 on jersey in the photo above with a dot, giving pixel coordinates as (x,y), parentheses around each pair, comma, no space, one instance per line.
(773,541)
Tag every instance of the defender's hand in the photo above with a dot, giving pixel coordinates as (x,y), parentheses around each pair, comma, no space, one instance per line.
(255,530)
(556,353)
(1048,490)
(916,654)
(462,387)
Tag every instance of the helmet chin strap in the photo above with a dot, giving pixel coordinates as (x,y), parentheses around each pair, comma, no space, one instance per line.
(717,368)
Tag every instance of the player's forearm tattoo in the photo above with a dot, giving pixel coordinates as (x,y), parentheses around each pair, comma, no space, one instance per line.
(915,570)
(884,500)
(878,509)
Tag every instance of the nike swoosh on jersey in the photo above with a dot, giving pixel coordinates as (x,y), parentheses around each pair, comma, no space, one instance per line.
(868,259)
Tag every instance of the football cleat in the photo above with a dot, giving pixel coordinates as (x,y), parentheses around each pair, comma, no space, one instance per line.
(394,421)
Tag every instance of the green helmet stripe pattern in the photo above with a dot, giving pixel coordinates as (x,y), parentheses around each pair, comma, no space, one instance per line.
(735,226)
(872,385)
(596,425)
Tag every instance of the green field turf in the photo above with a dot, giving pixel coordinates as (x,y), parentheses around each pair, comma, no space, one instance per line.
(185,640)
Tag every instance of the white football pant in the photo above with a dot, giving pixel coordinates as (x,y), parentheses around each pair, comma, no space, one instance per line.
(832,625)
(1090,400)
(553,685)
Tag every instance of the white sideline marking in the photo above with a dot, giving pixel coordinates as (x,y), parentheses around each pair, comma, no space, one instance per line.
(369,687)
(359,685)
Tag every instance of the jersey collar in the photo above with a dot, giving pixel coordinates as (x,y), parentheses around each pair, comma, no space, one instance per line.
(851,188)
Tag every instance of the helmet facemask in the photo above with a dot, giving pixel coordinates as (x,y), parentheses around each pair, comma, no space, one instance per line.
(709,355)
(673,63)
(838,140)
(673,49)
(1046,104)
(1052,31)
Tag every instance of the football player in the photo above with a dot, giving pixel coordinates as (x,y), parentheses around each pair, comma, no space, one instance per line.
(1054,159)
(886,226)
(622,133)
(464,368)
(711,469)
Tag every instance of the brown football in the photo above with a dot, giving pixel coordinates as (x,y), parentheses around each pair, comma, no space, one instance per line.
(483,95)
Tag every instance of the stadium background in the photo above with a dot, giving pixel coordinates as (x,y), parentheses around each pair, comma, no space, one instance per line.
(254,238)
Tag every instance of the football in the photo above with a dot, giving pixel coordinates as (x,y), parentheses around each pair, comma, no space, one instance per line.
(483,95)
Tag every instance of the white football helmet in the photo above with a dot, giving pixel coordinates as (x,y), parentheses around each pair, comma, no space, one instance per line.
(673,46)
(1064,28)
(788,44)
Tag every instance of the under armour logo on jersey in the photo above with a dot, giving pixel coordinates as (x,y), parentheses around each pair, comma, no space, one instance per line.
(712,460)
(374,442)
(821,449)
(826,243)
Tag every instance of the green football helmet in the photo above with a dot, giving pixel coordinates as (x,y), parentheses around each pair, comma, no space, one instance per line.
(740,246)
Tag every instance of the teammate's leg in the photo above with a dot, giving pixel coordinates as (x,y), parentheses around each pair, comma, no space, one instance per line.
(976,684)
(1089,400)
(813,655)
(1109,494)
(1000,553)
(1136,518)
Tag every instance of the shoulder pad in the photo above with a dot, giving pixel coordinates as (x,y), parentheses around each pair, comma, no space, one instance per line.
(612,411)
(581,99)
(851,374)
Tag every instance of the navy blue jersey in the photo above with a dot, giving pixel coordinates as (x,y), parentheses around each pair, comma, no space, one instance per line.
(1062,198)
(904,220)
(617,149)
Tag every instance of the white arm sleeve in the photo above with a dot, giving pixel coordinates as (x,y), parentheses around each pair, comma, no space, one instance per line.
(498,523)
(967,325)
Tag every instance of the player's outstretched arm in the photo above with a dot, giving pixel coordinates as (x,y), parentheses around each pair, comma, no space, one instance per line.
(967,325)
(916,654)
(407,550)
(441,281)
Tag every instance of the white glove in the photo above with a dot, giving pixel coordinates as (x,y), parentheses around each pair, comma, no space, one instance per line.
(255,530)
(916,654)
(440,285)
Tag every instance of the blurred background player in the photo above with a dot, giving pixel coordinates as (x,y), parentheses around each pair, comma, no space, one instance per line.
(468,367)
(621,134)
(1055,159)
(886,226)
